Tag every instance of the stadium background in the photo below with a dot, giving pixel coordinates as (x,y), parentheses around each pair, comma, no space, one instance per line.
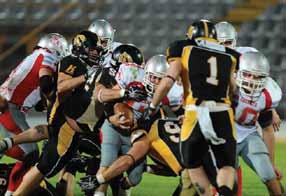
(151,25)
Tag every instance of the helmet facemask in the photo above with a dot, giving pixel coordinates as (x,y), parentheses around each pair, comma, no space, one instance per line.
(151,81)
(251,84)
(106,43)
(155,70)
(252,74)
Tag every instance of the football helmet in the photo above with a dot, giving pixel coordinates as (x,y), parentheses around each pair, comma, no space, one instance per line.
(87,46)
(54,42)
(202,28)
(105,32)
(126,53)
(155,69)
(226,34)
(252,74)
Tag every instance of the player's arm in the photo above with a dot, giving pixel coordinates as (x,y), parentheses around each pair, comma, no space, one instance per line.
(103,94)
(34,134)
(174,54)
(138,150)
(70,76)
(233,77)
(167,82)
(46,82)
(276,121)
(265,120)
(66,82)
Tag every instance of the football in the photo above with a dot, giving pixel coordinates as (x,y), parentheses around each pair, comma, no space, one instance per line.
(127,112)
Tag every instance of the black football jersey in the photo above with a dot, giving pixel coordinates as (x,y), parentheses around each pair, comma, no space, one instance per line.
(206,69)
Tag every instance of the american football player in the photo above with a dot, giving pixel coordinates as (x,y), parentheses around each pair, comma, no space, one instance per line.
(21,91)
(269,120)
(257,93)
(73,73)
(127,63)
(208,117)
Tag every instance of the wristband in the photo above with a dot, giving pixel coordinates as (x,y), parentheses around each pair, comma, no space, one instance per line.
(100,178)
(152,106)
(99,96)
(122,92)
(171,77)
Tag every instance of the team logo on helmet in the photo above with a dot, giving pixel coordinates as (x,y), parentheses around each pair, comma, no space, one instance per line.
(125,58)
(79,39)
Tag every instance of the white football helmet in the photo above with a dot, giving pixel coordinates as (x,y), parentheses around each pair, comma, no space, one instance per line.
(226,34)
(105,32)
(252,74)
(155,68)
(56,43)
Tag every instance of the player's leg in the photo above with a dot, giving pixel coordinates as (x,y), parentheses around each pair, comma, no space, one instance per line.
(188,188)
(256,153)
(134,173)
(30,181)
(61,147)
(109,151)
(225,154)
(192,140)
(31,135)
(239,148)
(26,153)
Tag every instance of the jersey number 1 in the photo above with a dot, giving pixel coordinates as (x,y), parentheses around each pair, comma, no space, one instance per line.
(212,61)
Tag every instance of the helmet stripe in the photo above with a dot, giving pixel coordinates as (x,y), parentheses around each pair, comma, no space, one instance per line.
(206,29)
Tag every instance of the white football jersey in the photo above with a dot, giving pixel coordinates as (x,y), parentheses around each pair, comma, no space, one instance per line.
(175,96)
(107,57)
(247,111)
(127,73)
(22,85)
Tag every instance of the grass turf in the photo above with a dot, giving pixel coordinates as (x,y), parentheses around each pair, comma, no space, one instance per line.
(164,186)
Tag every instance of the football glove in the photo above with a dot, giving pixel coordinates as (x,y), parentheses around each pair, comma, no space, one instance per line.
(88,183)
(135,91)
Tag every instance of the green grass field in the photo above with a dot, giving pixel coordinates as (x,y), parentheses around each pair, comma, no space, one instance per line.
(164,186)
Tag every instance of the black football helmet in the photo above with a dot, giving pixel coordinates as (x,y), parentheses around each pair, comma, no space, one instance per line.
(87,46)
(126,53)
(202,28)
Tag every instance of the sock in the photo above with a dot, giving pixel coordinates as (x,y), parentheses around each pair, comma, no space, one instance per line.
(239,181)
(98,193)
(16,176)
(225,191)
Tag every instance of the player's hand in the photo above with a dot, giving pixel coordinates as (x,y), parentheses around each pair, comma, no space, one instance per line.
(119,120)
(278,173)
(135,91)
(276,121)
(149,112)
(88,183)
